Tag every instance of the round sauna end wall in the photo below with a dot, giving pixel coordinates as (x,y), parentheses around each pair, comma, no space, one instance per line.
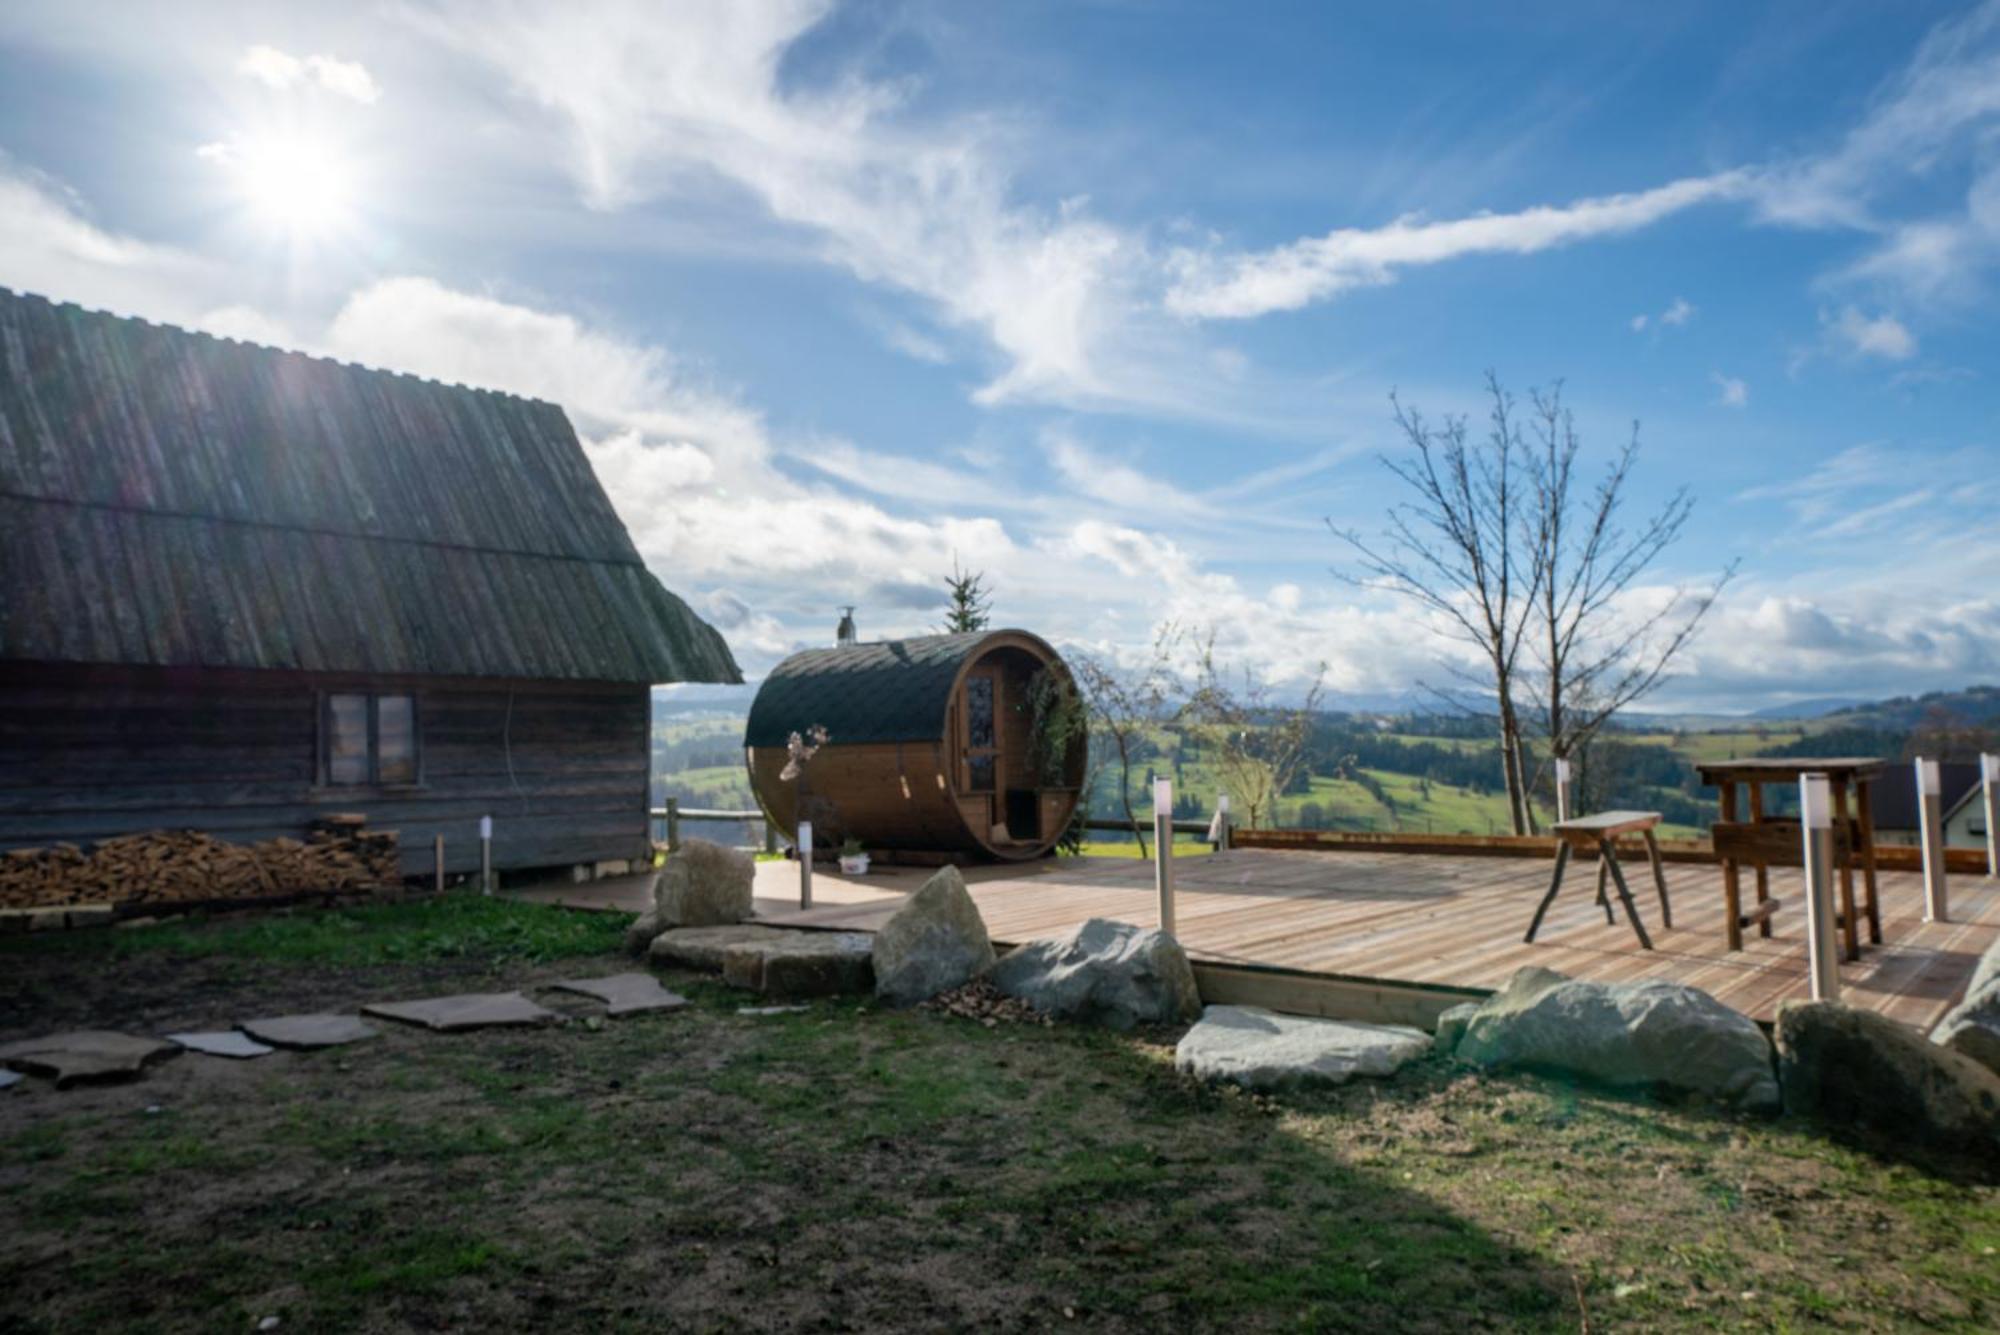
(942,746)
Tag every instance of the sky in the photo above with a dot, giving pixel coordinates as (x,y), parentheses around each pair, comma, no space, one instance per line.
(1108,300)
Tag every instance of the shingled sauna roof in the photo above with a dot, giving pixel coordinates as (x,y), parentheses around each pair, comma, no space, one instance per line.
(175,499)
(886,691)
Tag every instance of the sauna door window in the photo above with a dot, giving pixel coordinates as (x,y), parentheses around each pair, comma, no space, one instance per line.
(982,749)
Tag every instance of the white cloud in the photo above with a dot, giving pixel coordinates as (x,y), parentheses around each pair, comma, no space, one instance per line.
(283,71)
(1679,313)
(1639,323)
(48,246)
(1241,286)
(1882,336)
(1729,391)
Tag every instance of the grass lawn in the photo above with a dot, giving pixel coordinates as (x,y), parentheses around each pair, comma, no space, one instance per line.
(850,1167)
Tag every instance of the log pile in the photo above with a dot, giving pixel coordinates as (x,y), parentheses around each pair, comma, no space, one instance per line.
(187,866)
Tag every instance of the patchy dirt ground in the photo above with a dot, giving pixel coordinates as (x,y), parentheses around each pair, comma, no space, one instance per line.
(846,1167)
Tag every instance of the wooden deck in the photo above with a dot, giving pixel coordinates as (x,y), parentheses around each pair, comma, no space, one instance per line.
(1401,934)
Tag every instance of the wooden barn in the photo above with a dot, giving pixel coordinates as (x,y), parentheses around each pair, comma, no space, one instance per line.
(938,746)
(241,589)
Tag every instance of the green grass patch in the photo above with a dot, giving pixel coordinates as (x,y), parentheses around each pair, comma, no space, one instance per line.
(449,927)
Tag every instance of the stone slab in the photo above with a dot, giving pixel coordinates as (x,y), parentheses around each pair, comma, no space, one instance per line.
(1262,1050)
(704,947)
(86,1056)
(222,1043)
(803,964)
(9,1078)
(307,1032)
(625,993)
(772,1010)
(470,1010)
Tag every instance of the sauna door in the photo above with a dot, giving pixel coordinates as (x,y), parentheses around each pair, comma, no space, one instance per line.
(982,737)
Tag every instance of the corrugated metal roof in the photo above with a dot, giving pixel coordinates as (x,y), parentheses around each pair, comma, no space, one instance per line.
(885,691)
(175,499)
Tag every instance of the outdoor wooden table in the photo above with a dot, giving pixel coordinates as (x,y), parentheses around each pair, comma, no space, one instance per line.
(1764,841)
(1600,833)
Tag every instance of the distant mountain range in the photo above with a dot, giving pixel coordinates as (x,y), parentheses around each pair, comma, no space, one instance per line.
(1815,707)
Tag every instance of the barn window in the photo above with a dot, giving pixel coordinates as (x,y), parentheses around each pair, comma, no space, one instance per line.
(369,739)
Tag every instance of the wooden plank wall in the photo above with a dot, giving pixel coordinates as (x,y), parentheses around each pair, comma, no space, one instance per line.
(88,754)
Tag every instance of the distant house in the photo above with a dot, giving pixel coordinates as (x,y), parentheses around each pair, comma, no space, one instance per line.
(242,588)
(1896,812)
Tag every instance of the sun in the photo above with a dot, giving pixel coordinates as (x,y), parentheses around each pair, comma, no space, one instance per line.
(292,183)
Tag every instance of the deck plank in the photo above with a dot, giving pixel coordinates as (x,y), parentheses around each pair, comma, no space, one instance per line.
(1437,920)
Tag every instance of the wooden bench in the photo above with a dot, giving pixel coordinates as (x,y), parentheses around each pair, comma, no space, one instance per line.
(1600,833)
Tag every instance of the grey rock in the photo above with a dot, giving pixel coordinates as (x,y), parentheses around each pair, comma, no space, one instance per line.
(703,948)
(772,1010)
(307,1032)
(470,1010)
(1103,972)
(1852,1067)
(86,1056)
(222,1043)
(1262,1050)
(703,885)
(936,941)
(1972,1028)
(8,1079)
(1645,1034)
(644,928)
(1451,1024)
(802,964)
(625,993)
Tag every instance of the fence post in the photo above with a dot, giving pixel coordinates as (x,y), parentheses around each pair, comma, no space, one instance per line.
(485,855)
(805,852)
(770,835)
(1562,788)
(1222,822)
(1989,776)
(437,851)
(1930,803)
(1163,850)
(1822,944)
(673,825)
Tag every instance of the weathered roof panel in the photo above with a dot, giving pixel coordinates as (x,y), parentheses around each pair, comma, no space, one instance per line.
(175,499)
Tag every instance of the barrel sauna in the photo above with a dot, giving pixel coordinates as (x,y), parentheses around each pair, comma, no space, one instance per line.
(937,745)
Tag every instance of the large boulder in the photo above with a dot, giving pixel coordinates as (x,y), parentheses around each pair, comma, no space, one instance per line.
(1261,1050)
(1103,972)
(1637,1035)
(1852,1067)
(937,941)
(1972,1028)
(702,885)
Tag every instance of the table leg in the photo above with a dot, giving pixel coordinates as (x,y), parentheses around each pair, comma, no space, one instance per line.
(1732,890)
(1604,900)
(1865,810)
(1763,871)
(1610,856)
(1555,884)
(1850,928)
(1659,880)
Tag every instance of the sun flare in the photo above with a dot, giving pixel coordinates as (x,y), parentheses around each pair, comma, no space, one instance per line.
(301,186)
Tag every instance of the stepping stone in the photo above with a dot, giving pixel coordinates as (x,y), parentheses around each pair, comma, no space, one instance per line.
(625,993)
(703,948)
(222,1043)
(306,1032)
(86,1056)
(772,1010)
(1262,1050)
(472,1010)
(8,1078)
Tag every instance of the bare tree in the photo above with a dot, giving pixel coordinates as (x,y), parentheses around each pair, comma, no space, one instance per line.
(1128,704)
(1452,548)
(971,606)
(1592,653)
(1258,747)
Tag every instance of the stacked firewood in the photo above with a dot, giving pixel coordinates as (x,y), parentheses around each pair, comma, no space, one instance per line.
(186,866)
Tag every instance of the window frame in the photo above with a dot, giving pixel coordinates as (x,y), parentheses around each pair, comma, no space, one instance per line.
(323,758)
